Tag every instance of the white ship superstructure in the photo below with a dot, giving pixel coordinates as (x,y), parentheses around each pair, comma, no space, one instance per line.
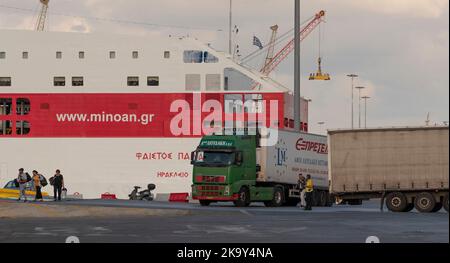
(99,107)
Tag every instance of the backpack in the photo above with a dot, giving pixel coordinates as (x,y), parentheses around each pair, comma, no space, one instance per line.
(16,183)
(28,177)
(43,180)
(52,180)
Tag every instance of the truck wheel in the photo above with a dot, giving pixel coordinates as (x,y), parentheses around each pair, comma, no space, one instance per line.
(278,198)
(316,198)
(437,208)
(244,198)
(205,202)
(330,200)
(396,202)
(409,208)
(424,202)
(323,199)
(446,202)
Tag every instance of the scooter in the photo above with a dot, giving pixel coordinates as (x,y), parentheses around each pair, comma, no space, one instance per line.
(145,195)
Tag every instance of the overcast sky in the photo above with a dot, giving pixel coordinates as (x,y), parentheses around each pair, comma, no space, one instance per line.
(398,47)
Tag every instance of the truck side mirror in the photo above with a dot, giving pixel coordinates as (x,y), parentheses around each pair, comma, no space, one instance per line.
(192,158)
(239,158)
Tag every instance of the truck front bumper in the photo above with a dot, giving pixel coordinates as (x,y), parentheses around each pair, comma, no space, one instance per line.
(217,198)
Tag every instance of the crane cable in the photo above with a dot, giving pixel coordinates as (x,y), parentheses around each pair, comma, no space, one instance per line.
(111,19)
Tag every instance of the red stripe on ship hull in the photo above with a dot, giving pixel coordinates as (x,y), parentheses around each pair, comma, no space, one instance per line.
(83,115)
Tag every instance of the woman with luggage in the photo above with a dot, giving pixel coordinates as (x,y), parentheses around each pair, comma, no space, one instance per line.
(37,186)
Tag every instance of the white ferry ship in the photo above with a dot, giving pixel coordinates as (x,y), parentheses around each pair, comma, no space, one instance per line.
(100,107)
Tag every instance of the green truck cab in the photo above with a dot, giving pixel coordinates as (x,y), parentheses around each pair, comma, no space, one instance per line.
(243,169)
(225,169)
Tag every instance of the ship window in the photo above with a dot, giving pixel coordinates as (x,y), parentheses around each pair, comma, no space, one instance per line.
(166,54)
(58,54)
(213,82)
(81,55)
(22,106)
(193,82)
(210,58)
(5,128)
(235,80)
(5,106)
(133,81)
(22,127)
(112,54)
(193,56)
(135,55)
(153,81)
(25,55)
(5,81)
(2,55)
(77,81)
(59,81)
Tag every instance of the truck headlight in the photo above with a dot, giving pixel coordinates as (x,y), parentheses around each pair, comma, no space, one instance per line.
(226,191)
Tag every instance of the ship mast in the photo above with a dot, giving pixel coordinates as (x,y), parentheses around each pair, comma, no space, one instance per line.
(230,33)
(40,25)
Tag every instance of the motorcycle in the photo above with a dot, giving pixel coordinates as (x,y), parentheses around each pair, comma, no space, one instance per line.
(145,195)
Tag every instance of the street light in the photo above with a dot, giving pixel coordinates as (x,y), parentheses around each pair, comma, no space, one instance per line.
(353,76)
(359,89)
(365,98)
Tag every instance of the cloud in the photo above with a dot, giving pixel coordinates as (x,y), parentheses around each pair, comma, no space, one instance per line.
(398,47)
(413,8)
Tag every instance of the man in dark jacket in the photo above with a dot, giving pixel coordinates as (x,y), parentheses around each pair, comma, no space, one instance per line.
(58,185)
(22,180)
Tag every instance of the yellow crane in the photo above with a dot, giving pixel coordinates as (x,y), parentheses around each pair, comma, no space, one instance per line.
(40,24)
(319,75)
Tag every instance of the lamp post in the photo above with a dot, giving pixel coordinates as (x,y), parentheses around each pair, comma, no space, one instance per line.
(365,98)
(297,69)
(230,43)
(321,124)
(359,89)
(353,76)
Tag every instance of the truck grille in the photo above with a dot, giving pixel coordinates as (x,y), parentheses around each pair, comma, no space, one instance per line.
(210,190)
(210,179)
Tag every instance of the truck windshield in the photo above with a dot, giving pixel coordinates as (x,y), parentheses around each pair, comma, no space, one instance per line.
(214,158)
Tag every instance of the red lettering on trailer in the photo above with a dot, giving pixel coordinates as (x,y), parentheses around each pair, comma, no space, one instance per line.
(303,145)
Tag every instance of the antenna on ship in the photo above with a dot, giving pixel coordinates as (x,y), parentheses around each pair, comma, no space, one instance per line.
(40,25)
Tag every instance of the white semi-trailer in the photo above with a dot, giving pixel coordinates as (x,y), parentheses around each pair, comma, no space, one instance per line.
(247,169)
(406,166)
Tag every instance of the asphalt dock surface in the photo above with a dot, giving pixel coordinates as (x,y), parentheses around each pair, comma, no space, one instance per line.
(190,223)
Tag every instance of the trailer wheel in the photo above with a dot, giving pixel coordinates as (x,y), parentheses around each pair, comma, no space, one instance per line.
(425,202)
(446,202)
(205,202)
(244,198)
(396,202)
(278,198)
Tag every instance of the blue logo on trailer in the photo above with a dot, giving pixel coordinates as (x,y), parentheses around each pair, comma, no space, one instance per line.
(281,156)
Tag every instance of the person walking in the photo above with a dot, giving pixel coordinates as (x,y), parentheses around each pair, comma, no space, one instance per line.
(58,185)
(301,187)
(22,179)
(309,192)
(37,186)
